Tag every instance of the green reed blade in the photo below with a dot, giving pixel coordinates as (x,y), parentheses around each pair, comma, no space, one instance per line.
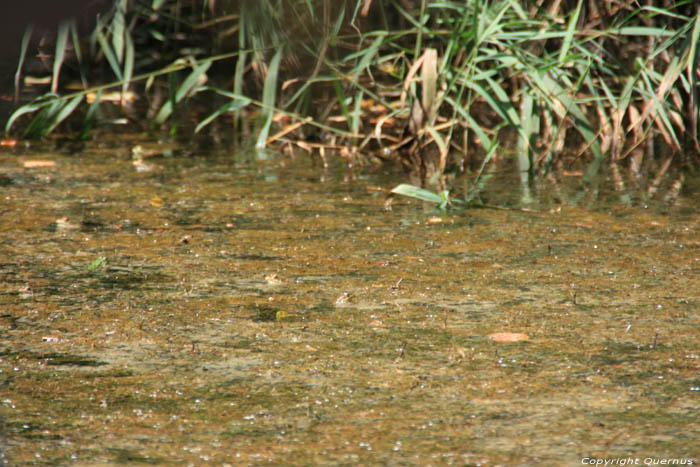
(418,193)
(65,110)
(188,86)
(228,107)
(128,62)
(90,116)
(59,56)
(269,95)
(570,31)
(37,105)
(26,37)
(118,30)
(109,55)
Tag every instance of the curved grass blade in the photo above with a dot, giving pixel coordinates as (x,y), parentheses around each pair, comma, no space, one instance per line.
(37,127)
(366,56)
(22,56)
(185,88)
(38,104)
(52,112)
(441,144)
(63,112)
(228,107)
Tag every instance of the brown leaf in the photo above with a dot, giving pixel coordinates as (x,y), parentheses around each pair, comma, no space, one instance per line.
(508,337)
(38,163)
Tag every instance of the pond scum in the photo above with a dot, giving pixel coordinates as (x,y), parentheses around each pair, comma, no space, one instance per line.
(445,88)
(191,302)
(222,312)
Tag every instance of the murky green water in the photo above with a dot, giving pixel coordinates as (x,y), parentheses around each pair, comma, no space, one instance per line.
(225,311)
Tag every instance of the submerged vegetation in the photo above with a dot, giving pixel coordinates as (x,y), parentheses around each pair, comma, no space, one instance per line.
(443,87)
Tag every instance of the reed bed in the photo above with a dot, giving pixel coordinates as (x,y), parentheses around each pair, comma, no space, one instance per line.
(445,88)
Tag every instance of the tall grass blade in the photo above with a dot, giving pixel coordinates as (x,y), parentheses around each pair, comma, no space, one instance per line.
(239,70)
(269,95)
(531,127)
(337,25)
(109,55)
(481,135)
(570,31)
(693,66)
(172,100)
(340,95)
(118,30)
(419,32)
(61,44)
(78,53)
(356,120)
(26,37)
(128,62)
(90,115)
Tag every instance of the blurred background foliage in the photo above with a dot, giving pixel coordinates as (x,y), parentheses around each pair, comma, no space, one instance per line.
(442,87)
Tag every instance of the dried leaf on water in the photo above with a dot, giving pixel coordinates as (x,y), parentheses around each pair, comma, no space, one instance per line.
(508,337)
(38,163)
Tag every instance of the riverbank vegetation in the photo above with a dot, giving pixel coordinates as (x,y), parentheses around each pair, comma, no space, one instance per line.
(445,88)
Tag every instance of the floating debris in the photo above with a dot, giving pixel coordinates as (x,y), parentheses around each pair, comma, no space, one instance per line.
(508,337)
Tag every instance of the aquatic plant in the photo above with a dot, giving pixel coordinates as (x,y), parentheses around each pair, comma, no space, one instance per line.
(442,200)
(442,87)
